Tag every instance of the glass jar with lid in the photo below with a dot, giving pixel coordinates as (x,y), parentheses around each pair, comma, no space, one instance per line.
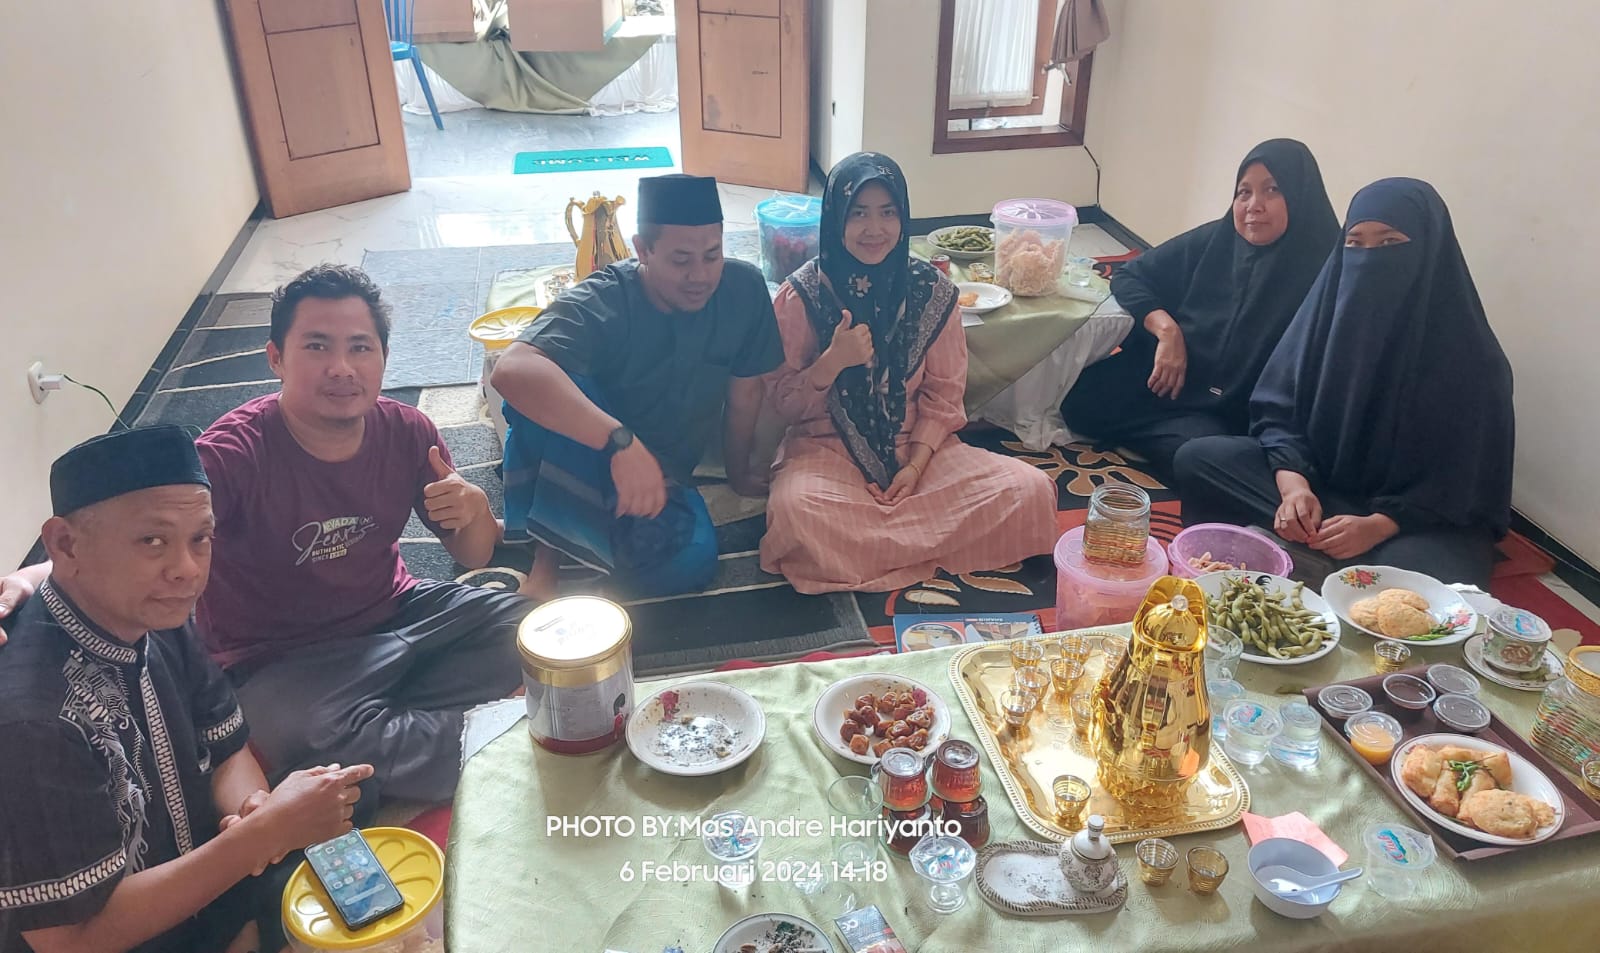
(1118,525)
(1567,725)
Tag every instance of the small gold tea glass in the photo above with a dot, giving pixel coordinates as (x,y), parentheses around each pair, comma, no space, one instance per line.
(1157,860)
(1032,680)
(1076,646)
(1016,705)
(1390,657)
(1113,649)
(1064,674)
(1026,653)
(1082,713)
(1207,868)
(1071,801)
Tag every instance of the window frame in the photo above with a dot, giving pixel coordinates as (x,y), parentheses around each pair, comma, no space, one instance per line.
(1066,131)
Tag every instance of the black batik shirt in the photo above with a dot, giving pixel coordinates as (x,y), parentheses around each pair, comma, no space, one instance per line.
(106,754)
(663,375)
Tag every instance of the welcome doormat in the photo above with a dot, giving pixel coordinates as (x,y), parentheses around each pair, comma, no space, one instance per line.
(592,160)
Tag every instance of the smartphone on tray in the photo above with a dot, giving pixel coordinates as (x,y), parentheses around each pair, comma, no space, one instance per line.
(356,882)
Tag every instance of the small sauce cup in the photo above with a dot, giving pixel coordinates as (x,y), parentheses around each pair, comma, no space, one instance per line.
(1373,735)
(1462,713)
(1409,692)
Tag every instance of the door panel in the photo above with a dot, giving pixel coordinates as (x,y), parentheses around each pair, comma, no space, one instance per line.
(281,16)
(322,90)
(318,86)
(745,91)
(740,65)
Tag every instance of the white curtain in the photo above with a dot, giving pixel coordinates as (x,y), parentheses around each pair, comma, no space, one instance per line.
(991,56)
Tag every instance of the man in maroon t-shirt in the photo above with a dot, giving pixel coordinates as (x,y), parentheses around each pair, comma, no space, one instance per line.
(337,652)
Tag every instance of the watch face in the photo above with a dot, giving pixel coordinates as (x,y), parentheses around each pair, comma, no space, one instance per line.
(620,438)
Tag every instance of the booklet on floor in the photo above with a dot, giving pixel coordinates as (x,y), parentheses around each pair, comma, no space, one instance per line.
(913,632)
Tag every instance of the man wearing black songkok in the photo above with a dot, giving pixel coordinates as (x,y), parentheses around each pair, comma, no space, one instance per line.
(613,395)
(132,814)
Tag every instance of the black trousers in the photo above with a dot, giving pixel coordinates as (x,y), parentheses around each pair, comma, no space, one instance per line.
(1112,403)
(1228,480)
(395,698)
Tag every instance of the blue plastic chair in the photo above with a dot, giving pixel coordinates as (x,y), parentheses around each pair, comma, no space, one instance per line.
(399,14)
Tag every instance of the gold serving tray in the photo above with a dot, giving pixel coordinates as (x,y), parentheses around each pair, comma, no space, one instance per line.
(1029,763)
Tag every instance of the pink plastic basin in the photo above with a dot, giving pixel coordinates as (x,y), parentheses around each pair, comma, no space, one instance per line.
(1090,594)
(1229,544)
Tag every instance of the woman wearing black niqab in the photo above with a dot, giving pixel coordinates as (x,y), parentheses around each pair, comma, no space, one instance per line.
(1209,306)
(1383,424)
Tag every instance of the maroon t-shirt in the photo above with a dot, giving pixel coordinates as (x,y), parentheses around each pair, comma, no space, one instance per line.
(308,551)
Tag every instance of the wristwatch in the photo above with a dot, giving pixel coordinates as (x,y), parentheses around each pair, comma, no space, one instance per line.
(619,439)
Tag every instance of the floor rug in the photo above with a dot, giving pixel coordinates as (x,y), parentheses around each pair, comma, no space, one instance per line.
(592,160)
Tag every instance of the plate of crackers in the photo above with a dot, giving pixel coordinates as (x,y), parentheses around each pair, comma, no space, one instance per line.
(1400,605)
(1477,789)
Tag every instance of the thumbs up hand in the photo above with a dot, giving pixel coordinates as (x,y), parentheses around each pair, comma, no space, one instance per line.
(852,344)
(451,501)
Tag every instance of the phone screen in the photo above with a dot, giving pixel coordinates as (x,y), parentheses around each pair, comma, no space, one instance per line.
(356,882)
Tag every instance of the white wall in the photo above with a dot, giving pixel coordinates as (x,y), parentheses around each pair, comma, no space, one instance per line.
(124,176)
(838,78)
(901,45)
(1493,105)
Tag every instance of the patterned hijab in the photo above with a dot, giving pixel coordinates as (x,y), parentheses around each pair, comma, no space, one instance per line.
(904,301)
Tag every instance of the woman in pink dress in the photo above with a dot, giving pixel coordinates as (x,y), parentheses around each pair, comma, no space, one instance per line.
(873,490)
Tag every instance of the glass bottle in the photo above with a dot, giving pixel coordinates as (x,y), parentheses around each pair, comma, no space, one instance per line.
(955,771)
(970,817)
(1567,725)
(1117,528)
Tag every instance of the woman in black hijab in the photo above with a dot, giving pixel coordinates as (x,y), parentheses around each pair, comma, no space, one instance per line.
(1383,422)
(1209,306)
(873,489)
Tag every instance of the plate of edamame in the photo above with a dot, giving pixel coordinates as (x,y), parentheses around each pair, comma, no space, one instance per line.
(1280,620)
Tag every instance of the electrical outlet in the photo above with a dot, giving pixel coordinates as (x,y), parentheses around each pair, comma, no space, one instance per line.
(41,384)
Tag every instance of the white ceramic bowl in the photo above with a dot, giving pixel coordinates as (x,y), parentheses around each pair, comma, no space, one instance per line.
(990,296)
(1283,852)
(762,926)
(1212,583)
(828,716)
(696,728)
(938,235)
(1346,587)
(1525,779)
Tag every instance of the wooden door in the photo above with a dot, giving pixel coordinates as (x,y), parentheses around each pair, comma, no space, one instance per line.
(318,85)
(744,91)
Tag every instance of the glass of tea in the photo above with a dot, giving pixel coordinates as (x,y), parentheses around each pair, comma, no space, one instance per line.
(955,771)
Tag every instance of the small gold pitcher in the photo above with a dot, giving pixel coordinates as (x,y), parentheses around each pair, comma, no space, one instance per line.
(1152,721)
(600,243)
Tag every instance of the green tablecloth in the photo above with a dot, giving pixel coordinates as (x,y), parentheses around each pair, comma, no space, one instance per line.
(1015,338)
(513,888)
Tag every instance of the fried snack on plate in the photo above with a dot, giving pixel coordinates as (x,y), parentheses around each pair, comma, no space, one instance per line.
(1365,614)
(1480,781)
(1445,798)
(1398,620)
(1405,597)
(1505,813)
(967,299)
(1421,769)
(1499,767)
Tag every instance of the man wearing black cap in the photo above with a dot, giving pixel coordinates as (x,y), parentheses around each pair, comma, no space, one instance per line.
(132,816)
(614,394)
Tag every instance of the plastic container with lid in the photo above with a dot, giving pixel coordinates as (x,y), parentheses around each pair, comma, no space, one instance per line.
(414,863)
(1566,725)
(577,666)
(1343,701)
(1462,713)
(1090,594)
(1239,547)
(790,233)
(1030,244)
(1397,858)
(1517,640)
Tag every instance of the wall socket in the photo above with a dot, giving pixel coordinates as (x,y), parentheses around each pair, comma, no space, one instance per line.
(41,384)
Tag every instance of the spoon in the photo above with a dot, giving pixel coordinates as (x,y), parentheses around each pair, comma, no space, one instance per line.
(1288,882)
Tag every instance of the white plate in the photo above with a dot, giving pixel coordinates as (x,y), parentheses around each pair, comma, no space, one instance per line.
(695,729)
(1211,583)
(1346,587)
(955,253)
(1529,682)
(990,297)
(828,716)
(1525,779)
(761,928)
